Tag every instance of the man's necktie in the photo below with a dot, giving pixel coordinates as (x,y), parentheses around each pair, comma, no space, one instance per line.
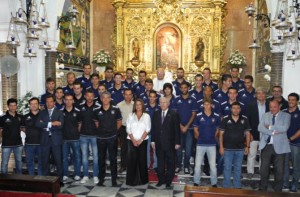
(273,123)
(50,113)
(163,117)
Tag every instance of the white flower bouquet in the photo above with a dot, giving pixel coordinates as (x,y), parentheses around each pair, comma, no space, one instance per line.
(102,58)
(236,59)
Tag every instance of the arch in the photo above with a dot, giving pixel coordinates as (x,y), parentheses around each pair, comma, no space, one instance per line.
(167,46)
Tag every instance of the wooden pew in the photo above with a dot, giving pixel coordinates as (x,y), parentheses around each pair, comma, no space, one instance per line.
(42,184)
(193,191)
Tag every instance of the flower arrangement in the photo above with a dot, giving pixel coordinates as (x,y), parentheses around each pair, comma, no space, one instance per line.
(23,103)
(102,58)
(236,59)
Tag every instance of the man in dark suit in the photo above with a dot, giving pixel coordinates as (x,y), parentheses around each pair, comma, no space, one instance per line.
(50,121)
(165,131)
(254,112)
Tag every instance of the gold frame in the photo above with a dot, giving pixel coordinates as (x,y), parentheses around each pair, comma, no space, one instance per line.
(157,30)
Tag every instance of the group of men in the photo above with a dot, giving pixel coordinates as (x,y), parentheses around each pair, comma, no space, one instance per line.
(86,118)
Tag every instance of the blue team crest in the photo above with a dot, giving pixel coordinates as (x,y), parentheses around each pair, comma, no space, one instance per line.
(213,120)
(189,101)
(138,87)
(112,92)
(147,109)
(213,106)
(113,112)
(226,108)
(296,115)
(219,95)
(202,119)
(179,101)
(240,85)
(82,81)
(244,95)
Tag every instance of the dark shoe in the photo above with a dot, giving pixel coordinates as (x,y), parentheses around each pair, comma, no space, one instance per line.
(214,186)
(177,170)
(159,184)
(61,184)
(168,186)
(250,176)
(293,190)
(121,170)
(195,184)
(192,172)
(114,184)
(206,172)
(101,183)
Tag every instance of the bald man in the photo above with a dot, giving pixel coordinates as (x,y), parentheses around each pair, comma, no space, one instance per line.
(160,80)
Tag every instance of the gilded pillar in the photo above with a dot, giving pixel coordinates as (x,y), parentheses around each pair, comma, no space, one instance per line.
(118,4)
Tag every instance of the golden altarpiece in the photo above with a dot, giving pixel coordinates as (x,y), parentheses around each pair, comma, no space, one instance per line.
(169,33)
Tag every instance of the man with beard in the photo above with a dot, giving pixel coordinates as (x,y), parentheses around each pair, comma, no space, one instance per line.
(179,80)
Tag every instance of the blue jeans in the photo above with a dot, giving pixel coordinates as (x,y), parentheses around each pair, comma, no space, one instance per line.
(186,144)
(295,156)
(211,155)
(75,146)
(233,158)
(5,158)
(84,143)
(148,154)
(31,152)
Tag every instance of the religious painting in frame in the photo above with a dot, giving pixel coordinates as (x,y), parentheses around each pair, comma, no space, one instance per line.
(167,47)
(79,32)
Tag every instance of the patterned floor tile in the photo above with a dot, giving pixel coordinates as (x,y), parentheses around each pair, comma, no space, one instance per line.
(78,190)
(104,191)
(158,193)
(131,192)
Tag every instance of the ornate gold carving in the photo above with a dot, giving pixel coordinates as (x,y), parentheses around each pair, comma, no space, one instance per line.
(140,19)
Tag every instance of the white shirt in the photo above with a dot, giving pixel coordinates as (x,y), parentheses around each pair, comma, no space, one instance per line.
(159,84)
(137,127)
(125,109)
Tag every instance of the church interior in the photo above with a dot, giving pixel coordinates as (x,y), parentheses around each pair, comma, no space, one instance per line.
(50,38)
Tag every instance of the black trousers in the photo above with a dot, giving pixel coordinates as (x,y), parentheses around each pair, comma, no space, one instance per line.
(109,145)
(124,145)
(137,170)
(165,158)
(57,157)
(266,159)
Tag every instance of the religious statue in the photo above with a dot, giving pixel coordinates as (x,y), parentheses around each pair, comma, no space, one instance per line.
(199,50)
(135,49)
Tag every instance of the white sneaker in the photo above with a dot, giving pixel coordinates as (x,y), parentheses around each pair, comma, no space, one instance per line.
(77,178)
(96,180)
(84,179)
(65,178)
